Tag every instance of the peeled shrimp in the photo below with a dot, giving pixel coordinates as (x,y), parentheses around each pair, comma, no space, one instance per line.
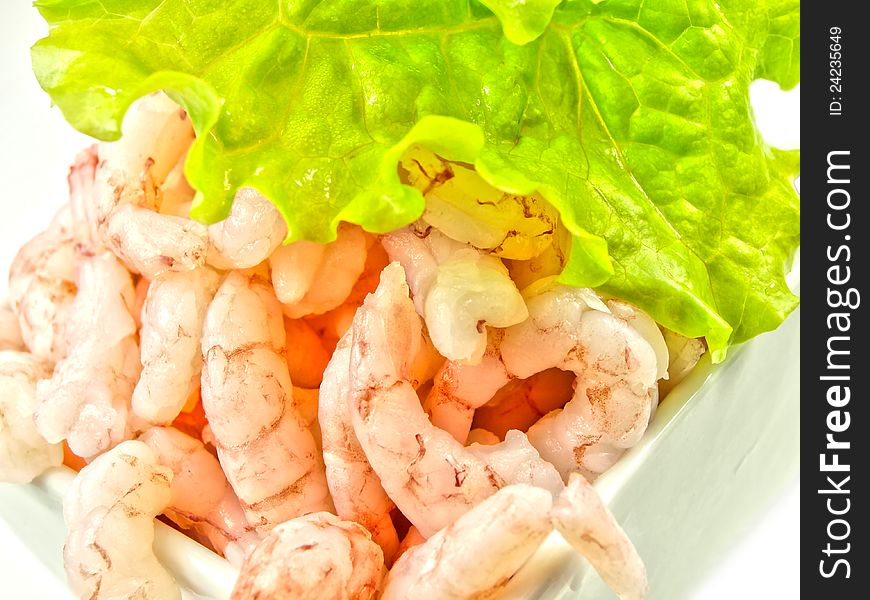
(522,402)
(82,174)
(584,521)
(457,289)
(431,477)
(109,512)
(616,372)
(479,553)
(684,355)
(306,356)
(24,453)
(41,291)
(157,133)
(202,499)
(459,388)
(171,356)
(86,401)
(311,279)
(250,233)
(265,446)
(311,557)
(353,484)
(482,437)
(10,332)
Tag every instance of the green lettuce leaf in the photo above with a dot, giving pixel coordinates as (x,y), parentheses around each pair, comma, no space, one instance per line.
(632,118)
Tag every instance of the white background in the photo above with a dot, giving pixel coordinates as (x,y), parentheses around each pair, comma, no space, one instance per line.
(37,145)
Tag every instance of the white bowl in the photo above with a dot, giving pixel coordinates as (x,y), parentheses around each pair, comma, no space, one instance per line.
(721,445)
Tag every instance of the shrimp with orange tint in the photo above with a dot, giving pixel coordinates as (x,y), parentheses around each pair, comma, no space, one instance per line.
(311,557)
(355,488)
(431,477)
(522,402)
(582,518)
(475,556)
(41,291)
(126,202)
(202,499)
(109,512)
(265,446)
(86,401)
(172,318)
(249,235)
(312,278)
(24,453)
(306,356)
(457,289)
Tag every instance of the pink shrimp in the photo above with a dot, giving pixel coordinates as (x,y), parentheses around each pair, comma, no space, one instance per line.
(172,319)
(583,519)
(126,197)
(430,476)
(41,291)
(314,278)
(24,453)
(109,512)
(311,557)
(86,401)
(457,289)
(353,484)
(249,235)
(264,445)
(10,332)
(202,499)
(475,556)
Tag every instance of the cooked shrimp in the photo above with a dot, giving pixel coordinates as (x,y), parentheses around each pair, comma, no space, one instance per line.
(170,342)
(459,388)
(431,477)
(616,372)
(306,356)
(202,499)
(583,519)
(479,553)
(646,327)
(353,484)
(311,279)
(24,453)
(41,290)
(10,332)
(264,445)
(250,233)
(482,437)
(522,402)
(457,289)
(157,133)
(175,195)
(412,538)
(684,355)
(82,174)
(307,403)
(311,557)
(109,512)
(86,401)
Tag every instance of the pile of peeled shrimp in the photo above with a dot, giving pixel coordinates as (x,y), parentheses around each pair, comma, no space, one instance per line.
(403,416)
